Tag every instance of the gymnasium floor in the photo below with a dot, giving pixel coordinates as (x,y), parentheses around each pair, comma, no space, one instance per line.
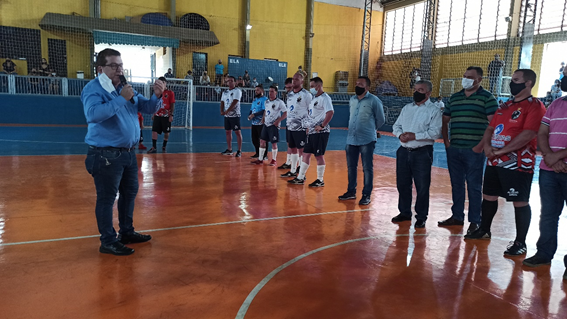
(234,240)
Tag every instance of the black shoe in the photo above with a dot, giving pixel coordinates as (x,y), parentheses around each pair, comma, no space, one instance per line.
(284,166)
(163,150)
(133,238)
(536,261)
(347,196)
(289,174)
(472,228)
(419,223)
(516,248)
(227,152)
(152,150)
(296,181)
(254,156)
(565,263)
(238,154)
(401,218)
(365,200)
(116,248)
(450,222)
(478,234)
(317,183)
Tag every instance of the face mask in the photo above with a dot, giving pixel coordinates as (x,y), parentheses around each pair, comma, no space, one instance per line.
(313,91)
(359,91)
(516,88)
(418,97)
(564,84)
(467,83)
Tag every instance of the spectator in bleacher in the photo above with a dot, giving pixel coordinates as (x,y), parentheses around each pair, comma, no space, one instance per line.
(415,76)
(561,75)
(254,83)
(34,81)
(240,82)
(386,88)
(53,84)
(255,117)
(495,72)
(9,67)
(468,113)
(440,104)
(169,74)
(224,80)
(556,90)
(189,75)
(219,70)
(43,68)
(246,79)
(205,79)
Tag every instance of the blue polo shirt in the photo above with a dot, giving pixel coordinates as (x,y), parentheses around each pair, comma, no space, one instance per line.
(366,116)
(257,108)
(219,69)
(113,121)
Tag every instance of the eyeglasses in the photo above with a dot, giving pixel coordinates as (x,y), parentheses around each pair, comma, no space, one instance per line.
(115,66)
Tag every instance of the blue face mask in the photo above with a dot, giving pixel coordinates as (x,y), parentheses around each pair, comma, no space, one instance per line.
(313,91)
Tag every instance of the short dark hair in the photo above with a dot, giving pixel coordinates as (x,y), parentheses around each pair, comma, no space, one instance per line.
(368,82)
(478,70)
(528,75)
(275,87)
(316,80)
(288,81)
(260,86)
(161,78)
(231,77)
(101,56)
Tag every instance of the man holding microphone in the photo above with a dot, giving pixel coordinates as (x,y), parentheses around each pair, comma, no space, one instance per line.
(111,107)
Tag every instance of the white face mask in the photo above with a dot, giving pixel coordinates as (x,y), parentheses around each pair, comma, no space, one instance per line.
(467,83)
(313,91)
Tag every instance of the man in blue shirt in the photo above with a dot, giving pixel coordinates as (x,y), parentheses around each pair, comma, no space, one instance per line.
(366,117)
(256,114)
(111,109)
(219,71)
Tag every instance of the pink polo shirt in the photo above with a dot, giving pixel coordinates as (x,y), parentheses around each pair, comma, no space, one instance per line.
(556,119)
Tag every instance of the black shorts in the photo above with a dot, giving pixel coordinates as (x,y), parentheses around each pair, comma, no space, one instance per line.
(296,139)
(270,134)
(513,185)
(316,144)
(161,124)
(232,124)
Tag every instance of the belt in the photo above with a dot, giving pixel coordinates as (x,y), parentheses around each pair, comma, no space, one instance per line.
(413,149)
(121,149)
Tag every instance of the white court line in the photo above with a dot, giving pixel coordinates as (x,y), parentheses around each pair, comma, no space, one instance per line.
(189,226)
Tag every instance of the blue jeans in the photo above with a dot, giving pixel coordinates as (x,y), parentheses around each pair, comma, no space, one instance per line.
(366,152)
(414,167)
(553,194)
(466,165)
(113,171)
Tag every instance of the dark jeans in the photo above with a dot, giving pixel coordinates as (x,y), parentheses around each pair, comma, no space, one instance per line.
(553,193)
(353,152)
(114,171)
(466,165)
(414,167)
(256,132)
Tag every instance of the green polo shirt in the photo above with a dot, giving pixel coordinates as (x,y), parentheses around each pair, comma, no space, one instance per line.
(469,116)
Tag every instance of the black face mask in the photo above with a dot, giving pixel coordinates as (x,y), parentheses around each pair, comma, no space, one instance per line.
(564,84)
(516,88)
(418,97)
(359,91)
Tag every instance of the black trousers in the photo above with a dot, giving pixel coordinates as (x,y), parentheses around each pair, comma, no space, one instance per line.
(256,132)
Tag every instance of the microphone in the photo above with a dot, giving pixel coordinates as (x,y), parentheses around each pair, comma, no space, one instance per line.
(124,82)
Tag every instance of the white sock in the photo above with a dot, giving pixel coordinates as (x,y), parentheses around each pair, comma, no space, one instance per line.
(288,159)
(320,172)
(274,154)
(302,170)
(261,154)
(294,161)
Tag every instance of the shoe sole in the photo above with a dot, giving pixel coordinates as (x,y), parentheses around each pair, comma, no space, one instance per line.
(110,252)
(401,221)
(535,265)
(482,238)
(317,185)
(364,204)
(442,225)
(349,198)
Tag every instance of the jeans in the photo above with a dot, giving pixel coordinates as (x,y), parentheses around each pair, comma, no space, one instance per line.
(414,165)
(466,165)
(353,152)
(114,171)
(553,193)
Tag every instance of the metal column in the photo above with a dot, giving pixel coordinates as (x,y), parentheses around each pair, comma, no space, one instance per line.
(309,40)
(527,38)
(365,43)
(247,31)
(428,37)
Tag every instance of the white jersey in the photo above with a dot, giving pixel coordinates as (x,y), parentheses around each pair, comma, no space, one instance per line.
(318,109)
(273,111)
(297,109)
(227,97)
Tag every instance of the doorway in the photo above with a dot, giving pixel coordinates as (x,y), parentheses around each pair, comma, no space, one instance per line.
(199,65)
(553,55)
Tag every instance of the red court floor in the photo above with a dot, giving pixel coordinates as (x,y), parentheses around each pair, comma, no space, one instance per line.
(233,240)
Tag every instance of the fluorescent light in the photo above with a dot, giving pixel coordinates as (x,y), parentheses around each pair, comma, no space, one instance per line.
(248,27)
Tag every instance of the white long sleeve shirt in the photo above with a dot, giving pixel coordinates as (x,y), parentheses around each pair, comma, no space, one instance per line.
(423,120)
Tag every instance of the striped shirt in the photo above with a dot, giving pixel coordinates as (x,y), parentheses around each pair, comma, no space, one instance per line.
(469,116)
(556,119)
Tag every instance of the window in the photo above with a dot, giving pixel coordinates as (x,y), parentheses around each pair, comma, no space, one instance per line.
(551,16)
(404,29)
(471,21)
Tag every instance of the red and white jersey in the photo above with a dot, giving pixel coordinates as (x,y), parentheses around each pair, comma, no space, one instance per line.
(511,119)
(167,99)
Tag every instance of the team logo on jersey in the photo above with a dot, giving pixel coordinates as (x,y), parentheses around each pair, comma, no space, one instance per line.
(513,192)
(302,143)
(299,99)
(274,138)
(267,112)
(231,93)
(291,108)
(498,129)
(516,114)
(316,103)
(236,127)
